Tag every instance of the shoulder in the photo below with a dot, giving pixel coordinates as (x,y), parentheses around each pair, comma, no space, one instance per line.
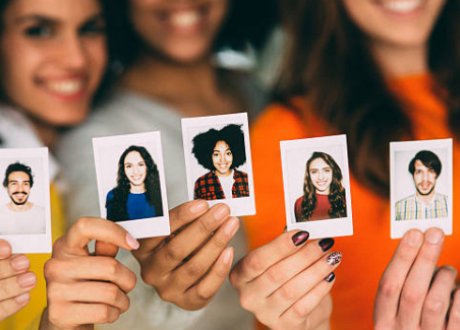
(205,178)
(240,174)
(441,197)
(110,196)
(403,201)
(298,202)
(279,114)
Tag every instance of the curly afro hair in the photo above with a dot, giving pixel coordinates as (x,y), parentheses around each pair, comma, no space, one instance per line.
(204,143)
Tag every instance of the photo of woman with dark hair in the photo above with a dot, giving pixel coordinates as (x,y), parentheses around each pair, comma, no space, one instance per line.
(324,194)
(221,152)
(137,194)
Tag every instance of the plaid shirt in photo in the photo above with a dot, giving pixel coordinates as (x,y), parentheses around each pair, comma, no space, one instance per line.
(411,208)
(208,186)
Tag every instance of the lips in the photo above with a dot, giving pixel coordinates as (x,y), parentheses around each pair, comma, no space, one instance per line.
(424,186)
(65,87)
(401,6)
(185,19)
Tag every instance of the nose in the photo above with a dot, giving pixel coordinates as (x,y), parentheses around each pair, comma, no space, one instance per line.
(320,175)
(424,176)
(73,53)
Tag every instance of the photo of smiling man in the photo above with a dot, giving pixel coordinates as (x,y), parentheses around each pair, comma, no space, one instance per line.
(20,216)
(426,203)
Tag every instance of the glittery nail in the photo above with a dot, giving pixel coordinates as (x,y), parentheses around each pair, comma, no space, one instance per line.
(334,258)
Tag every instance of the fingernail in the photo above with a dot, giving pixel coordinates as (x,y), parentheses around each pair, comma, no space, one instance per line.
(221,212)
(227,255)
(329,278)
(434,236)
(132,242)
(450,268)
(231,227)
(20,263)
(326,244)
(300,237)
(27,280)
(334,258)
(198,206)
(414,238)
(4,251)
(22,298)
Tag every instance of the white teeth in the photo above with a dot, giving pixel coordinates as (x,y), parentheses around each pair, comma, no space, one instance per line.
(185,18)
(402,6)
(66,87)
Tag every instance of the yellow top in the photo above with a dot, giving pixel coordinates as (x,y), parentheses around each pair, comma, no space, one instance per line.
(29,316)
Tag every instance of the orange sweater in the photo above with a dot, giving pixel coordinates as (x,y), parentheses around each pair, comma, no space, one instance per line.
(367,253)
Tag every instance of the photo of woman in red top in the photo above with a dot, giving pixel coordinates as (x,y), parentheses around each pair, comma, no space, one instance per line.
(221,152)
(324,194)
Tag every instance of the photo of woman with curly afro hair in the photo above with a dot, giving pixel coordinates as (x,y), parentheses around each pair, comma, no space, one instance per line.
(324,194)
(221,152)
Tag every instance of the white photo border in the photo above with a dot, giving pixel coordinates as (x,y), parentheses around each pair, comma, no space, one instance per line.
(398,228)
(318,228)
(139,228)
(32,243)
(239,206)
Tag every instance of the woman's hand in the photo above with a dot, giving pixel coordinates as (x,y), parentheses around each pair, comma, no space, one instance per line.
(86,289)
(188,267)
(15,281)
(412,295)
(286,282)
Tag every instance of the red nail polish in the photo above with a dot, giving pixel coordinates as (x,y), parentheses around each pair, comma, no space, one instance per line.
(300,237)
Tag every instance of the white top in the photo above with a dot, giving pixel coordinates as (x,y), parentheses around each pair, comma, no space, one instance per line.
(226,183)
(17,132)
(124,113)
(32,221)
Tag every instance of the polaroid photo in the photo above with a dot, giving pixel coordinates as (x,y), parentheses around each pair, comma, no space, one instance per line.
(317,186)
(25,214)
(421,185)
(218,161)
(131,183)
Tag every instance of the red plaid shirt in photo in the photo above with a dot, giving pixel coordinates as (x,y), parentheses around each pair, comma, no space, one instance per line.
(208,186)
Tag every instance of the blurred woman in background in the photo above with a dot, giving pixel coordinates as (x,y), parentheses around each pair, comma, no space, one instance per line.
(52,61)
(168,57)
(378,71)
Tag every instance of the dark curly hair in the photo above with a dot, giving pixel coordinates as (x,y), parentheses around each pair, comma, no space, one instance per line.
(204,143)
(121,191)
(336,191)
(18,167)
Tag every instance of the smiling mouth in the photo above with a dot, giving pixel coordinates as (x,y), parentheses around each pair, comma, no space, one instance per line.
(185,19)
(401,6)
(66,87)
